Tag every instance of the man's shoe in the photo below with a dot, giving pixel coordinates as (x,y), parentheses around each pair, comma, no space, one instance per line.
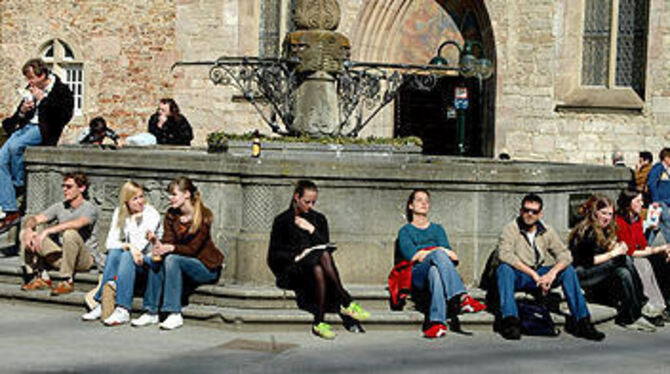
(656,321)
(94,314)
(355,311)
(173,321)
(37,284)
(436,330)
(11,219)
(651,311)
(584,328)
(145,320)
(323,330)
(62,288)
(510,328)
(470,305)
(119,317)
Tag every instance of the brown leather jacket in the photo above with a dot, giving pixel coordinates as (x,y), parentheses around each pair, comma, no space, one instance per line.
(199,245)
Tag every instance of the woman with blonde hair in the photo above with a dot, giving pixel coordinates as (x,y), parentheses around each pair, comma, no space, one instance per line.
(127,248)
(188,250)
(605,271)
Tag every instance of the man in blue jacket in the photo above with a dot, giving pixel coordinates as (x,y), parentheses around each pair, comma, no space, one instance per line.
(658,182)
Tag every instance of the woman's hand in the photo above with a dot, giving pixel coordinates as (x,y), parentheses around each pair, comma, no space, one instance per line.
(619,249)
(138,258)
(304,224)
(452,255)
(151,237)
(419,256)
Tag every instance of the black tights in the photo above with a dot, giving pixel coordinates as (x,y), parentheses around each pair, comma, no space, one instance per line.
(325,271)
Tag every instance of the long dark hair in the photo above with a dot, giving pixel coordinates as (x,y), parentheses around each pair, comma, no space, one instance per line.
(174,108)
(408,212)
(624,203)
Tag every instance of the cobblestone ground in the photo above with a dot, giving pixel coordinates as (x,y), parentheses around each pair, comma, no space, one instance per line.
(38,339)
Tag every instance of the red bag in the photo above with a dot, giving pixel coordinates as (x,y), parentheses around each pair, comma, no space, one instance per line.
(400,284)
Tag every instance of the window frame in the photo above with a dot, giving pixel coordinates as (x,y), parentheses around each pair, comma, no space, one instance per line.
(59,63)
(569,90)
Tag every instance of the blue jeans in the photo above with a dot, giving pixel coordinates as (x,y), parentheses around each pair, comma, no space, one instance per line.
(511,279)
(120,265)
(171,274)
(664,224)
(12,173)
(438,274)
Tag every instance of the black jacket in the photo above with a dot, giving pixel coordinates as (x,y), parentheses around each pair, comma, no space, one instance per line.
(288,240)
(173,132)
(55,111)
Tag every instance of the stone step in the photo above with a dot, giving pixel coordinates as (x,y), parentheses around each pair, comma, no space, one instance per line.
(244,317)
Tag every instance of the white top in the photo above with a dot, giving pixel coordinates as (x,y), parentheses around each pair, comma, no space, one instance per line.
(135,229)
(531,237)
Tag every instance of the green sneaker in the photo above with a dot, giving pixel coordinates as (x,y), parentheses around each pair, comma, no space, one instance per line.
(323,330)
(355,311)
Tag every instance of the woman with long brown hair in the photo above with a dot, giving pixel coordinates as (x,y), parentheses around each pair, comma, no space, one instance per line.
(605,271)
(187,249)
(168,125)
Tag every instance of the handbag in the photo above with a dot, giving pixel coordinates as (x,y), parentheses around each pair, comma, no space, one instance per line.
(536,319)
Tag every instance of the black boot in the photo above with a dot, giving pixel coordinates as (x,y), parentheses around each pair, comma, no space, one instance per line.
(510,328)
(585,329)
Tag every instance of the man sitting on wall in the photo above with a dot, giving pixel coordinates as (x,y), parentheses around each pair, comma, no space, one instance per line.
(70,245)
(46,108)
(532,257)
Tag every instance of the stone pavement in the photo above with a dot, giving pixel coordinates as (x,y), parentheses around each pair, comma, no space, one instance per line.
(44,339)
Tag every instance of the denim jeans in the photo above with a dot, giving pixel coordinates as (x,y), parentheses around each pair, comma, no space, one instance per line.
(121,268)
(664,224)
(439,275)
(171,274)
(511,280)
(615,282)
(12,173)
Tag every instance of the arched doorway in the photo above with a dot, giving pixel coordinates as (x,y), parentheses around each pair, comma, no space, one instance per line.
(432,116)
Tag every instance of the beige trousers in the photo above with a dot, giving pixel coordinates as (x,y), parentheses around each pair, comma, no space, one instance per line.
(72,256)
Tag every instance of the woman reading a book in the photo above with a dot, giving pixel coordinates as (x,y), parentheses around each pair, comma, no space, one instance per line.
(300,257)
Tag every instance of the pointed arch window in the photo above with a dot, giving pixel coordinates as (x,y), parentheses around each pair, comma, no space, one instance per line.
(64,63)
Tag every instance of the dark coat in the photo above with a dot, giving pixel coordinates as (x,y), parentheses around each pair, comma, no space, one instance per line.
(288,240)
(54,111)
(173,132)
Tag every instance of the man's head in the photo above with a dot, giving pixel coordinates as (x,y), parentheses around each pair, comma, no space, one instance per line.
(664,156)
(36,73)
(75,186)
(97,129)
(531,209)
(617,157)
(646,158)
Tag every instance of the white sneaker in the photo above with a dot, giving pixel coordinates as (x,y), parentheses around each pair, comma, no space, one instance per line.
(94,314)
(145,320)
(119,317)
(173,321)
(651,311)
(641,325)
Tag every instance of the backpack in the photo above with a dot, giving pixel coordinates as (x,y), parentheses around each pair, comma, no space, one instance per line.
(536,319)
(400,285)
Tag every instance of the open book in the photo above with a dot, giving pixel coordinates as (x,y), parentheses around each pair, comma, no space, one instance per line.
(330,247)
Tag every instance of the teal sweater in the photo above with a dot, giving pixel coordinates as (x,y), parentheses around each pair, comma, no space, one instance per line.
(411,239)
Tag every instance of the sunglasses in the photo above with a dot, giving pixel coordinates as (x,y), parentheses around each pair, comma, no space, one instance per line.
(68,186)
(531,211)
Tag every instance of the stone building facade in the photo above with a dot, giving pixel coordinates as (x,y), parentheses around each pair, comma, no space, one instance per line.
(536,107)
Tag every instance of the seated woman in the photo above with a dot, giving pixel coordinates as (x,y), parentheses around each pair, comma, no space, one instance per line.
(300,257)
(629,231)
(189,254)
(127,247)
(169,126)
(605,272)
(426,245)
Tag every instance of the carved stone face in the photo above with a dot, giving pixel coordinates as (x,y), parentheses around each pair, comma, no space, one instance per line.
(317,14)
(318,50)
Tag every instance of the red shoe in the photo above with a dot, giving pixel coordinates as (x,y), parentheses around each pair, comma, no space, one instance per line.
(437,330)
(470,305)
(11,219)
